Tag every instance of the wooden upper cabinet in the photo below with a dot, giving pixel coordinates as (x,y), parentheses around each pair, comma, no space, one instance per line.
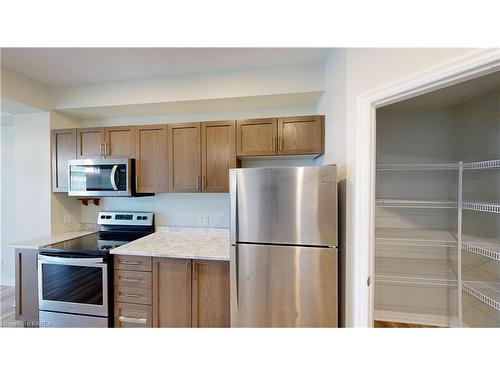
(218,154)
(90,143)
(112,142)
(184,157)
(301,135)
(257,137)
(120,141)
(210,306)
(152,159)
(63,149)
(171,292)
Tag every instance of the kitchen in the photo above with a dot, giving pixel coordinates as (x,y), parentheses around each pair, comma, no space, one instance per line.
(228,168)
(144,203)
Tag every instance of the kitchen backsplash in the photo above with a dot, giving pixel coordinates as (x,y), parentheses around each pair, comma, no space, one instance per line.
(179,209)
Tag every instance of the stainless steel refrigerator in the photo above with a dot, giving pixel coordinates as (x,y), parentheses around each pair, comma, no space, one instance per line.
(283,255)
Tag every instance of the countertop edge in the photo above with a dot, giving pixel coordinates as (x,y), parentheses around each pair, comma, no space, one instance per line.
(48,240)
(163,255)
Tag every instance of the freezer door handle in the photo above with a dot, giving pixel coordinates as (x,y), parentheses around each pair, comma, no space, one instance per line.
(233,275)
(233,190)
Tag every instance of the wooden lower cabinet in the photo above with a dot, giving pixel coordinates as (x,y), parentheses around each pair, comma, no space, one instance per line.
(210,294)
(27,286)
(171,292)
(190,293)
(132,281)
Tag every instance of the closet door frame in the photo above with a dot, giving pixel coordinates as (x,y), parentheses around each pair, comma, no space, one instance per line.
(360,241)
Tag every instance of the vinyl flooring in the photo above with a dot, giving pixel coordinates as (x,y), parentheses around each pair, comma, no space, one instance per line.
(7,309)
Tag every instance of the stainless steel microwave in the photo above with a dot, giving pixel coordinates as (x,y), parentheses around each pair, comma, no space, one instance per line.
(100,177)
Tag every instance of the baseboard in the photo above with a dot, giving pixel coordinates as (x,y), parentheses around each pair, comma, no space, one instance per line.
(405,317)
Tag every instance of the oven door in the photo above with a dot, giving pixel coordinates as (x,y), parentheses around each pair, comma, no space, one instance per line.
(73,285)
(100,177)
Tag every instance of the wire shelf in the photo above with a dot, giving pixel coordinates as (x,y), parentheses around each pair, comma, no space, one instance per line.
(414,203)
(482,207)
(489,250)
(417,167)
(486,164)
(414,236)
(487,292)
(416,271)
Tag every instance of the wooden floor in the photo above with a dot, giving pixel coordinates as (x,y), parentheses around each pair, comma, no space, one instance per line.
(7,310)
(382,324)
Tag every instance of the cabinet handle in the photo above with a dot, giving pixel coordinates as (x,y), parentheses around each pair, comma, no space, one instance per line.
(198,182)
(130,262)
(274,143)
(203,182)
(131,295)
(131,279)
(128,319)
(280,141)
(100,149)
(106,148)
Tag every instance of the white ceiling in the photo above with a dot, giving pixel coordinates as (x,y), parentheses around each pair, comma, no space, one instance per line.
(63,66)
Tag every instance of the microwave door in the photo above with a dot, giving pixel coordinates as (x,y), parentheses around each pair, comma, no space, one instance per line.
(99,177)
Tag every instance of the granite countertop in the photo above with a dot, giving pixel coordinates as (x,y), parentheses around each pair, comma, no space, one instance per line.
(36,243)
(181,242)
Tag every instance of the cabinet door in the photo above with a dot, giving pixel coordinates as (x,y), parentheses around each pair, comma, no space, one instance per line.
(218,154)
(90,143)
(120,142)
(26,285)
(184,157)
(256,137)
(152,159)
(63,149)
(171,292)
(300,135)
(210,294)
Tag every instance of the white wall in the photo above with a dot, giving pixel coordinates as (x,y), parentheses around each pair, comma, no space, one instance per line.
(22,89)
(288,79)
(26,185)
(7,135)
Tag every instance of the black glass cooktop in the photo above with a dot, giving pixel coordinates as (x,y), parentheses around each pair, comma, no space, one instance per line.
(99,243)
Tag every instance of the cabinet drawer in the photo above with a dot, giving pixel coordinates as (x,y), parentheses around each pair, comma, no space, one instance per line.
(133,295)
(130,315)
(133,279)
(132,263)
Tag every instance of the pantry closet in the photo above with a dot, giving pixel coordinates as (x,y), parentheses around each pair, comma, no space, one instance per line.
(437,236)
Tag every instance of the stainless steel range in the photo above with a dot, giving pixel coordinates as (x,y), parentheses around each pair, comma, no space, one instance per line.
(75,277)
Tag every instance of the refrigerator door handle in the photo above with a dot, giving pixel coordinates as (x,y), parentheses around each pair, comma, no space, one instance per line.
(233,190)
(233,275)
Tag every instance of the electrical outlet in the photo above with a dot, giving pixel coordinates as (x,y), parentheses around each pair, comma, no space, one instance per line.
(66,219)
(203,220)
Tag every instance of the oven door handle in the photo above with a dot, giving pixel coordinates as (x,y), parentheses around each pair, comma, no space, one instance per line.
(65,260)
(112,177)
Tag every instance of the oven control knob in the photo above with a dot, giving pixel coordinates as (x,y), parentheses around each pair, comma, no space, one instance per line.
(103,217)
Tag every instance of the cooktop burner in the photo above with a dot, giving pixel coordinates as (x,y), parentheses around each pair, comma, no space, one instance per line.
(116,229)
